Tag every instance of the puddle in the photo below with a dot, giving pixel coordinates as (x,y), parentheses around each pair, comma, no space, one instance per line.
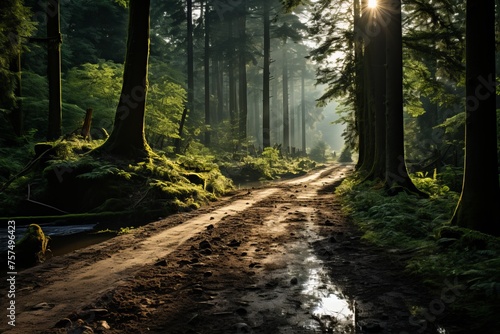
(49,230)
(330,309)
(298,288)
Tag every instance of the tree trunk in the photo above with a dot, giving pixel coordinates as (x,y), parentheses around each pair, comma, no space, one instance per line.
(293,123)
(478,206)
(87,123)
(206,62)
(378,81)
(233,113)
(286,118)
(303,108)
(127,138)
(190,55)
(54,69)
(16,116)
(242,63)
(396,178)
(266,129)
(219,88)
(359,82)
(276,126)
(181,131)
(257,120)
(190,74)
(367,121)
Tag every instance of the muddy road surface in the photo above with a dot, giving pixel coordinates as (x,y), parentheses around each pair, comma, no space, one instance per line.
(277,259)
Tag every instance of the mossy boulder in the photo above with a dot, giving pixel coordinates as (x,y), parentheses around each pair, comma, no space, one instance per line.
(32,248)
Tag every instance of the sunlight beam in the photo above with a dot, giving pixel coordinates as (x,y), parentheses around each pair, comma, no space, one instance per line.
(372,4)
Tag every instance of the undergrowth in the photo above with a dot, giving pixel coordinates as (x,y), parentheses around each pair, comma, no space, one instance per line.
(70,180)
(270,164)
(65,177)
(440,253)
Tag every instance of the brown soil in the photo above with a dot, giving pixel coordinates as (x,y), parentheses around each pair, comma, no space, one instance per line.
(278,259)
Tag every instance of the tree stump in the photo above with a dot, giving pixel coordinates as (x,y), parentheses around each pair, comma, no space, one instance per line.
(86,124)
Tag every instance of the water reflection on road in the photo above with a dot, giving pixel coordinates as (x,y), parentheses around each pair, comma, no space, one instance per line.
(330,309)
(49,230)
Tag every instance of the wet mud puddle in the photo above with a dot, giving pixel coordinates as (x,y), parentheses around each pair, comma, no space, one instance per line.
(296,295)
(293,291)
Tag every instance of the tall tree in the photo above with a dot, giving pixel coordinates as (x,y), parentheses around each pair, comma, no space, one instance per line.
(231,70)
(206,63)
(127,138)
(359,79)
(478,204)
(242,70)
(190,74)
(190,55)
(303,108)
(375,70)
(286,117)
(54,41)
(374,52)
(266,123)
(396,174)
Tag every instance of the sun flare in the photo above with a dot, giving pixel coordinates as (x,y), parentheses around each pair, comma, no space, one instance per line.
(372,4)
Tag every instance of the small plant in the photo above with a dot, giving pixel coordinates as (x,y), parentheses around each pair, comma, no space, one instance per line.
(318,152)
(345,155)
(125,230)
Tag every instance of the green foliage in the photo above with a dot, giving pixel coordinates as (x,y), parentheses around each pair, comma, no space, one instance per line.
(345,155)
(15,21)
(452,177)
(454,128)
(95,86)
(439,252)
(429,185)
(319,152)
(164,109)
(74,180)
(125,230)
(14,155)
(269,165)
(415,86)
(93,29)
(98,86)
(120,231)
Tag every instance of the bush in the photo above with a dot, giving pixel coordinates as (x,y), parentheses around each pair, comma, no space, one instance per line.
(345,155)
(318,152)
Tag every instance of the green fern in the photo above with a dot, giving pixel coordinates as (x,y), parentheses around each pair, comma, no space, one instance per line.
(105,171)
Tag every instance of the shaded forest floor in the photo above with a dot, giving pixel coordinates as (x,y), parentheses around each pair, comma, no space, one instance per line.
(277,259)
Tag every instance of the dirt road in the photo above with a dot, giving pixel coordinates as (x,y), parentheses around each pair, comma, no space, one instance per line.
(280,259)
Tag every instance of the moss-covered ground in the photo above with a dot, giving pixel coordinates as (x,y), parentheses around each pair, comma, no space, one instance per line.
(66,180)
